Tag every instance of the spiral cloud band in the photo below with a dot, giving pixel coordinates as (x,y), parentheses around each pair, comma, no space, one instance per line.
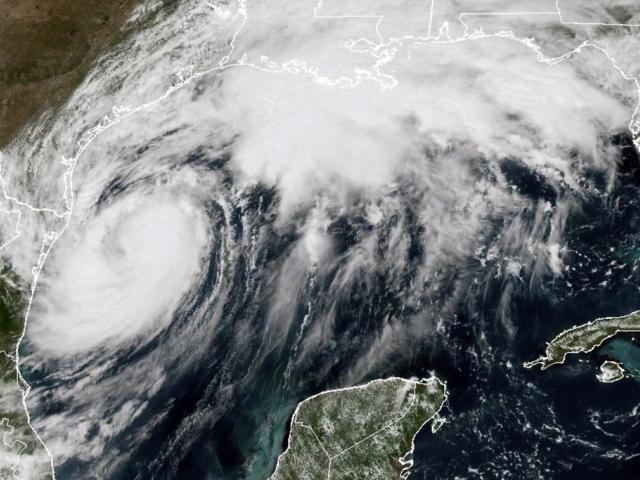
(274,171)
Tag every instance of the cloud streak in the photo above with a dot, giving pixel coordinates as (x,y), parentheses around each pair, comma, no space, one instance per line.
(242,214)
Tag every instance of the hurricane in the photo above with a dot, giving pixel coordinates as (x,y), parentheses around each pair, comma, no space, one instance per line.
(246,203)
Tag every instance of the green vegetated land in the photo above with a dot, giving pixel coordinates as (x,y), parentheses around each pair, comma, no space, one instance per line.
(20,450)
(360,432)
(12,305)
(585,338)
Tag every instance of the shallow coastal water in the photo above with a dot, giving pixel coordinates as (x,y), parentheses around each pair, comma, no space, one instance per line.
(625,351)
(319,235)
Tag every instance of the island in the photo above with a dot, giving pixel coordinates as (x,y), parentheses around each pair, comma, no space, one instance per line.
(610,372)
(585,338)
(365,431)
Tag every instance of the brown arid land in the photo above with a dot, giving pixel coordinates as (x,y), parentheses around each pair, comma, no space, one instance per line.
(46,49)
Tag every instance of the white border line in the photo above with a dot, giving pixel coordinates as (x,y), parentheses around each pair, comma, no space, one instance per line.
(592,23)
(404,461)
(186,75)
(541,360)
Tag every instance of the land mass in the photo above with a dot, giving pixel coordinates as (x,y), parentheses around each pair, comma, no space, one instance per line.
(610,372)
(47,49)
(360,432)
(585,338)
(21,453)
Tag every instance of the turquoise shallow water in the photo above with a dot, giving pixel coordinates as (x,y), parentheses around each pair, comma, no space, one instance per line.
(625,352)
(264,448)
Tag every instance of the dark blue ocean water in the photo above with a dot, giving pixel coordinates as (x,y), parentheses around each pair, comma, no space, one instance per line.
(239,373)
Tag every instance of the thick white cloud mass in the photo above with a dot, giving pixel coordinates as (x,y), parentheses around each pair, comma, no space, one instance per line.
(333,109)
(117,273)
